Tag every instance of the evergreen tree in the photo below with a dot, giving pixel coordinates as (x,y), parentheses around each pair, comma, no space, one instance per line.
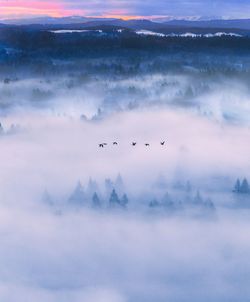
(198,199)
(124,201)
(119,186)
(189,92)
(154,204)
(237,186)
(244,188)
(209,204)
(96,203)
(188,187)
(167,201)
(78,196)
(114,199)
(109,186)
(92,188)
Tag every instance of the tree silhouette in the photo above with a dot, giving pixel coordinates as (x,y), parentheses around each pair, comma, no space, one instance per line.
(167,201)
(124,201)
(154,203)
(109,186)
(78,196)
(119,186)
(96,203)
(91,188)
(198,199)
(237,186)
(114,200)
(244,188)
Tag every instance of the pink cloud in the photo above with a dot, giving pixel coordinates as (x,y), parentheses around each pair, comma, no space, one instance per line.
(33,7)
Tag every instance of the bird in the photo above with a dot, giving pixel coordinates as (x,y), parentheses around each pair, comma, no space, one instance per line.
(147,145)
(101,145)
(163,143)
(115,143)
(104,144)
(134,144)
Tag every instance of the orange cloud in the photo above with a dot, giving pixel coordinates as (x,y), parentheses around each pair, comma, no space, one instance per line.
(120,14)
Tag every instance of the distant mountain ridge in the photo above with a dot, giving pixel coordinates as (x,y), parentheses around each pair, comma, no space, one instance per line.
(236,23)
(52,20)
(134,24)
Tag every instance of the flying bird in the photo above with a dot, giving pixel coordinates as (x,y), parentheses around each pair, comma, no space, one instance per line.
(134,144)
(115,143)
(163,143)
(101,145)
(147,145)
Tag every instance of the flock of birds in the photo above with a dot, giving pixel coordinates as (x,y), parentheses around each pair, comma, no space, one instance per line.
(102,145)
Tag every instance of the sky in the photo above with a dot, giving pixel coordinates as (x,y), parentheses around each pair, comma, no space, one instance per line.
(125,8)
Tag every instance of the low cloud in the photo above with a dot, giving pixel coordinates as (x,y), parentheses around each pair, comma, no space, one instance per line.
(62,254)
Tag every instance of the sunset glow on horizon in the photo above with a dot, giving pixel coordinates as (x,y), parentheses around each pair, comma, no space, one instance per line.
(126,9)
(57,9)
